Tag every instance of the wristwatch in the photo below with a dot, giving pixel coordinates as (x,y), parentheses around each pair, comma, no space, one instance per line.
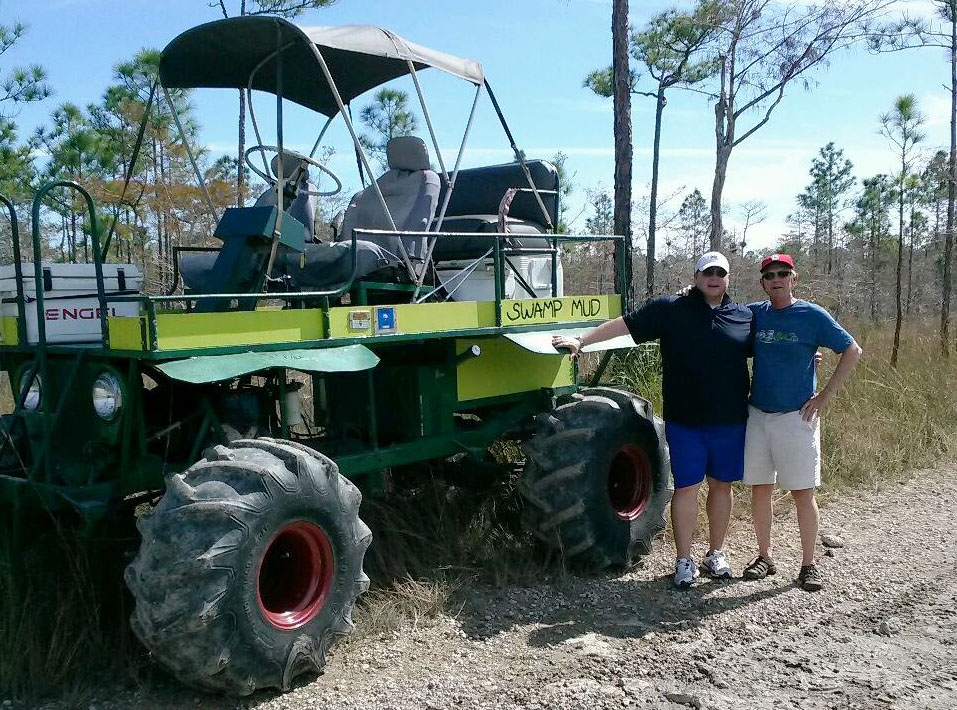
(581,344)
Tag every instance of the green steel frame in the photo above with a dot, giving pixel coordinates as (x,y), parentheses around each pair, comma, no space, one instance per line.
(55,480)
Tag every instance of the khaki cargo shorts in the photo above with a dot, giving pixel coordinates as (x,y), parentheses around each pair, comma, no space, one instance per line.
(782,448)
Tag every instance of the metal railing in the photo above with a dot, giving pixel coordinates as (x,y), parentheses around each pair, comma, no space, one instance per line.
(17,271)
(500,249)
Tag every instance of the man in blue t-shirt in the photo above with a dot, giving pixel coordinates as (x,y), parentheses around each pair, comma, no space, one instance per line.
(783,439)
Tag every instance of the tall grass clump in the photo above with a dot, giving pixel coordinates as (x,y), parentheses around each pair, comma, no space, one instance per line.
(434,537)
(888,421)
(441,527)
(638,370)
(63,613)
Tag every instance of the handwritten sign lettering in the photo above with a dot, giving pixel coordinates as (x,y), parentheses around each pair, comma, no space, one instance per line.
(550,310)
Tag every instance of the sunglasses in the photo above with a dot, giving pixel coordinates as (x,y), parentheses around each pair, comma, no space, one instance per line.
(769,275)
(715,271)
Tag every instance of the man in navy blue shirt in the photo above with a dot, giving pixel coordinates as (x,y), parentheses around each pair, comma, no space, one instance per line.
(705,344)
(783,443)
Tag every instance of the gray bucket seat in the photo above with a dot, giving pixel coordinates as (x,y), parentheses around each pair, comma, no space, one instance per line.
(411,191)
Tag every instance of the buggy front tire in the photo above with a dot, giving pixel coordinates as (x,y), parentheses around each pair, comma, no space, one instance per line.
(597,478)
(249,567)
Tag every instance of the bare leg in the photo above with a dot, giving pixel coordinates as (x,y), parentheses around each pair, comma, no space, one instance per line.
(720,500)
(808,518)
(684,515)
(761,512)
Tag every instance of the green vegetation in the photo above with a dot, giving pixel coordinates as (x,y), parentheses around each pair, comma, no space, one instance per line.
(64,613)
(888,421)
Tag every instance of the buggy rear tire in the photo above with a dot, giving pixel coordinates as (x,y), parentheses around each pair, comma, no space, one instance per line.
(597,478)
(249,567)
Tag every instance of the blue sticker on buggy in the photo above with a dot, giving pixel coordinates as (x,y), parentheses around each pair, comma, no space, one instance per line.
(385,319)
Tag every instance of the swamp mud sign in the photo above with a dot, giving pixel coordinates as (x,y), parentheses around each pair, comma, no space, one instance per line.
(421,332)
(551,309)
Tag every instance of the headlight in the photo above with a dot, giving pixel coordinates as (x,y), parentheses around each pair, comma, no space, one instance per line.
(107,396)
(32,401)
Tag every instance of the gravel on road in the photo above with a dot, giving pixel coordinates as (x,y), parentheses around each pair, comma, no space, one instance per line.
(882,635)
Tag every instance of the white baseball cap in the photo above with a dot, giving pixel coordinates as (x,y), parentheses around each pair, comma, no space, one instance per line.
(712,258)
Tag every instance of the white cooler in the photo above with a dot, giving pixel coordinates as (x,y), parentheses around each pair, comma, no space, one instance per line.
(479,285)
(70,305)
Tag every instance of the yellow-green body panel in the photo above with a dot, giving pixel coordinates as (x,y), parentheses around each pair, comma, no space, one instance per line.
(127,332)
(182,331)
(506,368)
(8,331)
(413,318)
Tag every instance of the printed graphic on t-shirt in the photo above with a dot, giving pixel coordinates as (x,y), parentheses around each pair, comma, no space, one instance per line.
(775,336)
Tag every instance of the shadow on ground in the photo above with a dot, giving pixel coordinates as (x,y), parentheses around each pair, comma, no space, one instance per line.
(615,607)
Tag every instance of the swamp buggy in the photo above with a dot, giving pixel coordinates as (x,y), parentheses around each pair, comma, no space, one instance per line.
(421,331)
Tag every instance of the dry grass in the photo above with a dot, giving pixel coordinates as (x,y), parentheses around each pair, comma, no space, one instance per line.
(63,615)
(436,531)
(408,601)
(887,422)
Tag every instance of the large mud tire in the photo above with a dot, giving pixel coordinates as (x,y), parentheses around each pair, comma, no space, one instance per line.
(249,567)
(597,478)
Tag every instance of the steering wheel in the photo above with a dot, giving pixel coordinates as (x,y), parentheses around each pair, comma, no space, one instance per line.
(284,153)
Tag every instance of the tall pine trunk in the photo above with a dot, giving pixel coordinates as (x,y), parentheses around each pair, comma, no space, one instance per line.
(155,207)
(717,190)
(900,262)
(73,237)
(653,207)
(873,269)
(910,259)
(724,144)
(951,193)
(623,147)
(830,233)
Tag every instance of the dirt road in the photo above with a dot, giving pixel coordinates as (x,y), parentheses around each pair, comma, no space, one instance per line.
(883,634)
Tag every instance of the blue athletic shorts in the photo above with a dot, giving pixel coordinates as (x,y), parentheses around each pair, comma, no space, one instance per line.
(699,451)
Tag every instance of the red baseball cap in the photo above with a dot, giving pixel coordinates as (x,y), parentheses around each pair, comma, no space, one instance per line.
(777,258)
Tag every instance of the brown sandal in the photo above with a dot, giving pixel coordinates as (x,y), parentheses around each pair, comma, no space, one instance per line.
(760,568)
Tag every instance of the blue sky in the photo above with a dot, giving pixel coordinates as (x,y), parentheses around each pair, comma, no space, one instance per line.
(535,54)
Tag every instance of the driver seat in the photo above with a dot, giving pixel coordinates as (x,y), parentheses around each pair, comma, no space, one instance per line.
(297,201)
(411,191)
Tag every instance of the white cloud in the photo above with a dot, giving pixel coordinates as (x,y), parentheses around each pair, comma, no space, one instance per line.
(918,8)
(936,107)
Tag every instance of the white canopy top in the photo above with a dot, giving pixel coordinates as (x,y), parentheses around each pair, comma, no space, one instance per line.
(380,42)
(228,53)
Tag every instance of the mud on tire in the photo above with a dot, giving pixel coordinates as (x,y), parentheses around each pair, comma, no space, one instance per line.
(249,566)
(597,478)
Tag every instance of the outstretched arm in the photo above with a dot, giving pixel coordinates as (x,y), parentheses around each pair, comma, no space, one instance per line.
(606,331)
(843,370)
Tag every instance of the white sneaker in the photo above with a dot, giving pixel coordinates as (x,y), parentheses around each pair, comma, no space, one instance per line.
(686,572)
(716,564)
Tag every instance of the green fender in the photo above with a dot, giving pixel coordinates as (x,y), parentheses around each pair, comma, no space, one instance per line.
(216,368)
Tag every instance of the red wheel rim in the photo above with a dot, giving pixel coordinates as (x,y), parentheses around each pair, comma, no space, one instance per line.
(629,482)
(295,574)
